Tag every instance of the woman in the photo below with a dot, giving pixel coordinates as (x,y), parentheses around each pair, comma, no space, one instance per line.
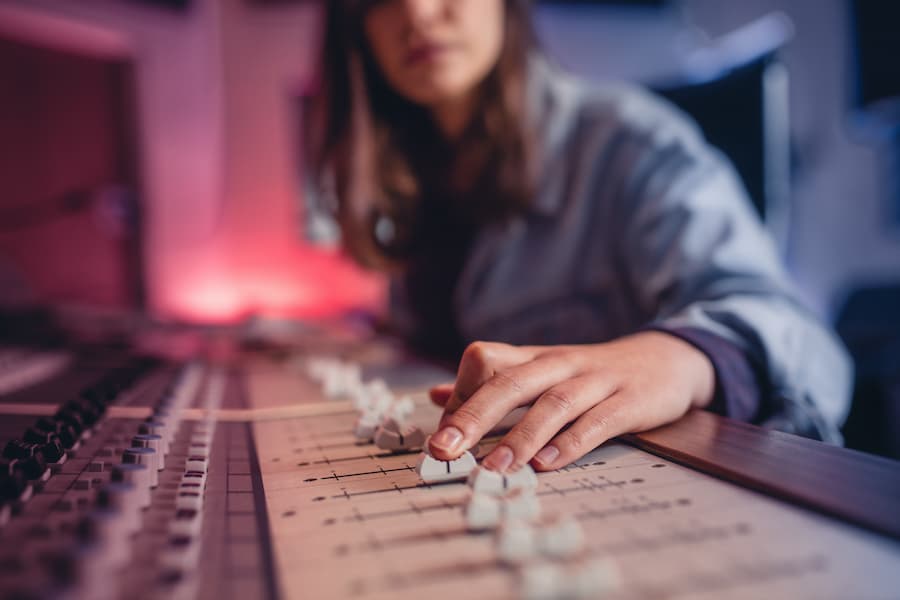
(607,254)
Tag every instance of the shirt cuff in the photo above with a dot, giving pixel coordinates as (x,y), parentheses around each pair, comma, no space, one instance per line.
(739,384)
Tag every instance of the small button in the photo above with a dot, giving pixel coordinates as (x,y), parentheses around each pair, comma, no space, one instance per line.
(189,500)
(63,505)
(196,463)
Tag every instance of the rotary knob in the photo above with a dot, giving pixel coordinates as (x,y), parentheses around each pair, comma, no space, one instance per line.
(155,443)
(136,475)
(14,485)
(68,437)
(49,443)
(91,412)
(123,498)
(106,535)
(30,459)
(72,417)
(147,458)
(157,427)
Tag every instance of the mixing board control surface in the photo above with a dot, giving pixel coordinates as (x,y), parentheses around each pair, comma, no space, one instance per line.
(251,479)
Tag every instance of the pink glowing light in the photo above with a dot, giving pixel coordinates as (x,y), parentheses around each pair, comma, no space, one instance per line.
(311,284)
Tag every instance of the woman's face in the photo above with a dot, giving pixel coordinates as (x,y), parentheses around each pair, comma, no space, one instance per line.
(435,52)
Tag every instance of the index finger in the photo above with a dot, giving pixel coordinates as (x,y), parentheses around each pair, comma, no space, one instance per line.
(480,362)
(440,394)
(497,397)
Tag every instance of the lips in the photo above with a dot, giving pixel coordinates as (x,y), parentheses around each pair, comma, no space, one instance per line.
(425,53)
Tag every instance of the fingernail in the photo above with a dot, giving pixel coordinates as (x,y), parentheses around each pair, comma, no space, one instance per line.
(499,459)
(547,455)
(447,439)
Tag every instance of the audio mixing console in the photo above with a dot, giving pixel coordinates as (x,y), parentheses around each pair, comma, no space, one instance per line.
(301,475)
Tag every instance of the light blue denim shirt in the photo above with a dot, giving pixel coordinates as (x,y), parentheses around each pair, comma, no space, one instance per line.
(639,222)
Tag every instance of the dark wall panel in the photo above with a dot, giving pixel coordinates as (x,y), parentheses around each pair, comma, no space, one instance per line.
(67,176)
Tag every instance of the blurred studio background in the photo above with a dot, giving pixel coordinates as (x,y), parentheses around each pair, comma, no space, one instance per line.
(151,153)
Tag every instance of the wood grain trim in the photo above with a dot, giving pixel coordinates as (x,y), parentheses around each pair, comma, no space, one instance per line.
(853,486)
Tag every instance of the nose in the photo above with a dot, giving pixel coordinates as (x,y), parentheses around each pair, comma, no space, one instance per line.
(422,13)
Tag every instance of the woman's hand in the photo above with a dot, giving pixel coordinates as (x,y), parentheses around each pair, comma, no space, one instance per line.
(602,390)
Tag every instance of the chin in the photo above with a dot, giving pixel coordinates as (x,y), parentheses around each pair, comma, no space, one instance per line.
(430,92)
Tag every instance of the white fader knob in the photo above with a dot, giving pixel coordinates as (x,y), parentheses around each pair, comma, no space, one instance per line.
(380,405)
(378,390)
(332,384)
(485,481)
(516,542)
(594,579)
(552,581)
(388,439)
(401,409)
(340,379)
(543,582)
(372,395)
(360,399)
(561,538)
(366,425)
(521,504)
(482,512)
(413,437)
(523,479)
(486,511)
(431,469)
(374,401)
(391,435)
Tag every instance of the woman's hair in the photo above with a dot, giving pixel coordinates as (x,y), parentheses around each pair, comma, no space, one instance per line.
(382,155)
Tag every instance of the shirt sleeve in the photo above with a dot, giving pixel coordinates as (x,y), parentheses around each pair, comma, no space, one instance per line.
(696,256)
(739,384)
